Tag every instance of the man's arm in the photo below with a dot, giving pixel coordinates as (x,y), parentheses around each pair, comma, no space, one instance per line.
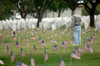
(73,22)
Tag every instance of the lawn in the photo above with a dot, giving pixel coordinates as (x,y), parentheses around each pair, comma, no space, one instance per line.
(87,58)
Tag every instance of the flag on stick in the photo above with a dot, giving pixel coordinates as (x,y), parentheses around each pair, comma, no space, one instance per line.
(73,55)
(88,48)
(80,51)
(35,49)
(1,62)
(6,44)
(32,61)
(8,51)
(66,42)
(51,40)
(18,45)
(46,56)
(40,40)
(18,63)
(12,57)
(22,52)
(32,38)
(56,47)
(43,43)
(94,35)
(62,62)
(55,42)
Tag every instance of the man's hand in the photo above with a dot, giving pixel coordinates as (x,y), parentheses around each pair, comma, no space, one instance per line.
(72,29)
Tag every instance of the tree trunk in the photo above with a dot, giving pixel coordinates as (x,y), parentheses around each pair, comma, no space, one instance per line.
(59,14)
(39,16)
(92,19)
(23,15)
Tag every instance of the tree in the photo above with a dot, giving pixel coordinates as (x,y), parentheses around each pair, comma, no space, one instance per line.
(24,6)
(72,4)
(40,7)
(5,9)
(58,6)
(90,6)
(91,9)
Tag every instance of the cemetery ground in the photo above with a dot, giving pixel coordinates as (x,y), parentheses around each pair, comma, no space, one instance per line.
(87,58)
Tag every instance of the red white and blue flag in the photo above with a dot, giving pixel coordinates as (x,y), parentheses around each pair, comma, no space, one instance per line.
(12,57)
(62,62)
(18,63)
(18,45)
(46,55)
(8,51)
(35,49)
(22,52)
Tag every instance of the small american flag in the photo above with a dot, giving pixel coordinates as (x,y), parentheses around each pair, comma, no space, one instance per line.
(55,42)
(73,55)
(79,50)
(46,55)
(62,62)
(6,44)
(1,62)
(14,38)
(32,38)
(35,49)
(26,39)
(32,61)
(18,63)
(40,40)
(56,47)
(88,48)
(90,41)
(43,43)
(36,36)
(51,40)
(94,35)
(18,45)
(22,52)
(66,42)
(8,51)
(12,57)
(63,45)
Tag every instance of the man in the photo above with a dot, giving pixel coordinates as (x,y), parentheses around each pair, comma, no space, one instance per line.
(76,27)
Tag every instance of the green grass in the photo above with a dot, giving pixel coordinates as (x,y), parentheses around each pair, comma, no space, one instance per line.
(87,59)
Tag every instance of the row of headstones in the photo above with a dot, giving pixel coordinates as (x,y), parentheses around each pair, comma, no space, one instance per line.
(46,23)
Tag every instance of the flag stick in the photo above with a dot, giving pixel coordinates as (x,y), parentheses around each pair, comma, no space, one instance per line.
(11,64)
(45,61)
(70,61)
(50,47)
